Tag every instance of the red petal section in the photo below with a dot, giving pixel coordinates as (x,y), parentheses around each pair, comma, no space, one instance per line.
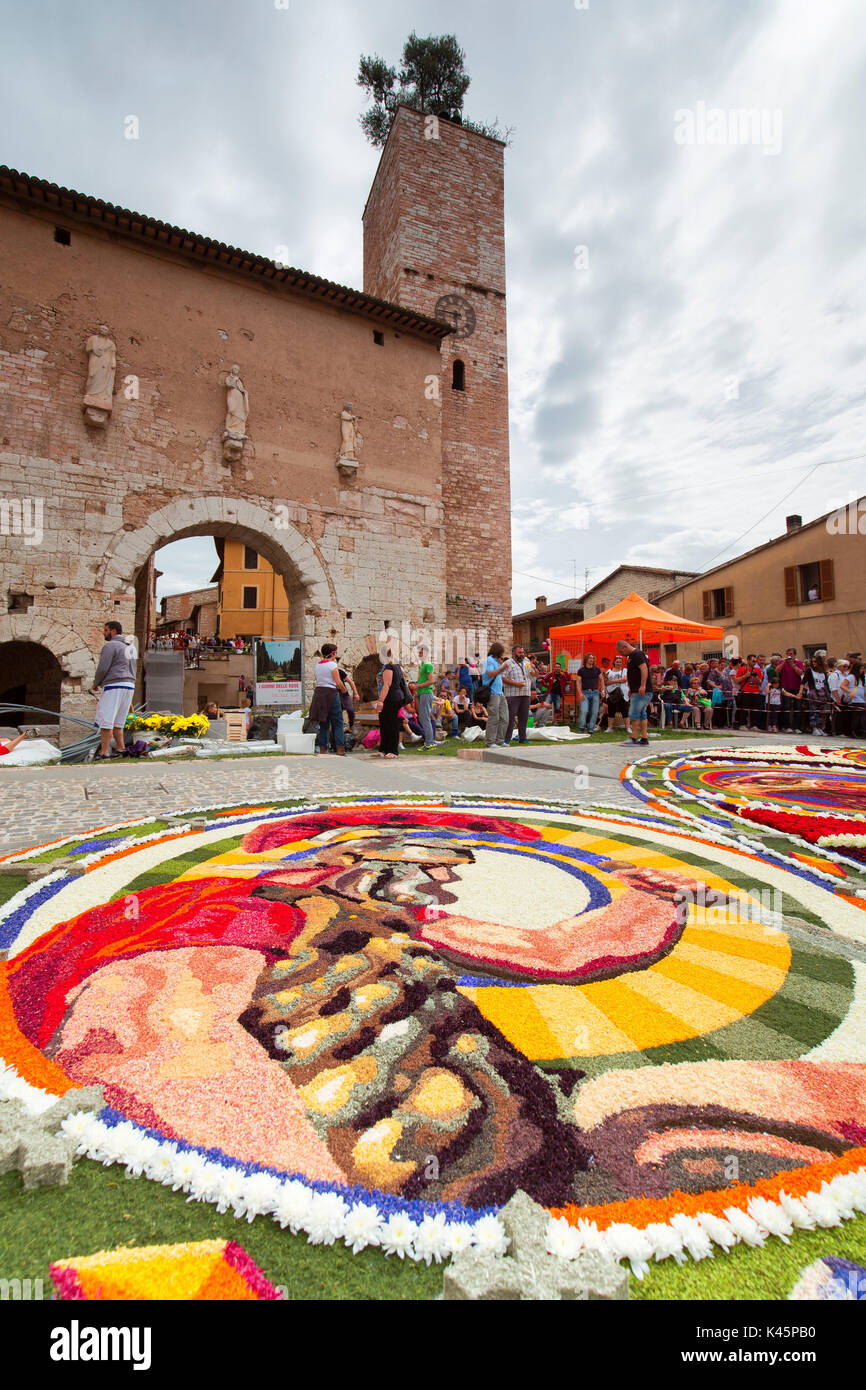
(201,912)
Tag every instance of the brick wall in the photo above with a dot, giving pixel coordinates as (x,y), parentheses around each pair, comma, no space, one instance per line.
(434,227)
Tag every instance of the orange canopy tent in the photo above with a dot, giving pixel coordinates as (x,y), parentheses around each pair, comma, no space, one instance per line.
(633,619)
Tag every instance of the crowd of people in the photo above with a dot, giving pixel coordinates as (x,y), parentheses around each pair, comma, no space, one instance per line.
(781,694)
(823,694)
(499,694)
(195,647)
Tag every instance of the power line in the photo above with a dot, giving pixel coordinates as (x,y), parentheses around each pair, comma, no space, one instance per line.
(557,583)
(709,562)
(826,463)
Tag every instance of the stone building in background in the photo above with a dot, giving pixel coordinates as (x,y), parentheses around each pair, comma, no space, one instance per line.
(252,599)
(156,384)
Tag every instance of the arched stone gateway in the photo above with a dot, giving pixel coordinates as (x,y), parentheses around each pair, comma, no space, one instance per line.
(266,531)
(68,646)
(314,609)
(30,675)
(60,644)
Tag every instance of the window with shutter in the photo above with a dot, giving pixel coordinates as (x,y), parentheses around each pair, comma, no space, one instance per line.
(716,603)
(828,587)
(791,585)
(729,602)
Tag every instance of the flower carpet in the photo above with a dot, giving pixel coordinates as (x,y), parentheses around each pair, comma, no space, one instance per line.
(211,1270)
(370,1022)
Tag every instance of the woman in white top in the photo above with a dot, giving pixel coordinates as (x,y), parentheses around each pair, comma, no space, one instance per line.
(616,681)
(326,708)
(853,693)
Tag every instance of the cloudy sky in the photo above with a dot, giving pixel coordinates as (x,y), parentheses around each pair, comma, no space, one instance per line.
(684,287)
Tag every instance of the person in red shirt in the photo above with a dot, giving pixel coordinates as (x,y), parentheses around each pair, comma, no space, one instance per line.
(750,700)
(791,675)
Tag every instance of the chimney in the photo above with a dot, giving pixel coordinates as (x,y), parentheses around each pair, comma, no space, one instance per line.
(793,523)
(541,601)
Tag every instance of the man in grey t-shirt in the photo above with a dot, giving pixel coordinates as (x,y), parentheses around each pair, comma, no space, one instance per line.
(517,684)
(115,673)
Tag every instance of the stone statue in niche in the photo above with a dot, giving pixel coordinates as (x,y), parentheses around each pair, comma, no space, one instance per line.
(101,366)
(350,441)
(237,412)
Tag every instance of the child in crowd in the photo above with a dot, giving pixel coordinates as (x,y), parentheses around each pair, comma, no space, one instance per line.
(479,714)
(701,707)
(447,716)
(774,704)
(410,729)
(463,708)
(674,703)
(541,710)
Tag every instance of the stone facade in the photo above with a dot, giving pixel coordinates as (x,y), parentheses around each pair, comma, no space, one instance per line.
(434,239)
(35,678)
(82,510)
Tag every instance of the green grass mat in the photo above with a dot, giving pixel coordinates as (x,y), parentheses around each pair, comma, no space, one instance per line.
(101,1209)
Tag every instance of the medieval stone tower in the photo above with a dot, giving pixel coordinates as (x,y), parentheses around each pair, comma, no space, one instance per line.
(434,241)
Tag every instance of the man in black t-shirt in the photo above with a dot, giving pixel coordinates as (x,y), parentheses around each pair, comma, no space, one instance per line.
(640,693)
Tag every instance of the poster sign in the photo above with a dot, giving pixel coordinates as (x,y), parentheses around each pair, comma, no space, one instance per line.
(279,671)
(573,667)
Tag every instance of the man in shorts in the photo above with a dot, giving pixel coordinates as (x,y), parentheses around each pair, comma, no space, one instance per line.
(116,675)
(637,667)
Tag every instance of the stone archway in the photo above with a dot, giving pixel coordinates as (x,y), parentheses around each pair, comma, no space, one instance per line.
(285,549)
(30,674)
(77,663)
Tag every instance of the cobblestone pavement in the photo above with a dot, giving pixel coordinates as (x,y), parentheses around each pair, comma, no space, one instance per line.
(41,804)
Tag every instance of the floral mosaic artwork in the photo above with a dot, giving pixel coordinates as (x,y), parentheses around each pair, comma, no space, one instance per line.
(198,1270)
(804,798)
(376,1020)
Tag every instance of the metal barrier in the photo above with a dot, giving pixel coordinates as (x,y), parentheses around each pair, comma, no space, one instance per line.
(82,750)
